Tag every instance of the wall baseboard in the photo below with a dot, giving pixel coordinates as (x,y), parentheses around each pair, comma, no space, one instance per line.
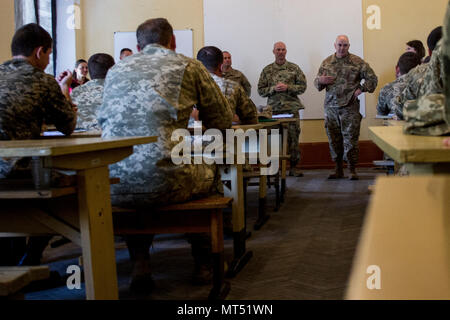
(317,155)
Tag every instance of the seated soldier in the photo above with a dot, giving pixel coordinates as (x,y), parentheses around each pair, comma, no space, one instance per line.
(406,62)
(429,114)
(152,93)
(228,72)
(415,78)
(89,96)
(241,104)
(28,98)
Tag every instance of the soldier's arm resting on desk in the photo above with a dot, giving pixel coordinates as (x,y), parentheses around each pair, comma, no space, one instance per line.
(199,89)
(246,109)
(59,109)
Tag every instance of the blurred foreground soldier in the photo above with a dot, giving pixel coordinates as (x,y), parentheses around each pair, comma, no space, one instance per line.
(152,93)
(341,75)
(407,61)
(282,82)
(28,99)
(240,103)
(429,115)
(235,75)
(89,96)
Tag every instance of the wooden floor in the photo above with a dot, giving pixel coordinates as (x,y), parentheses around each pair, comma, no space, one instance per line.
(305,251)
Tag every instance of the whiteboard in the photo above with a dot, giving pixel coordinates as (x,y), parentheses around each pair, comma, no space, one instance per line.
(248,30)
(184,40)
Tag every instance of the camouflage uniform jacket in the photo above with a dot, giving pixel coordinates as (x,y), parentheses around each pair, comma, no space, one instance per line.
(422,80)
(88,99)
(239,77)
(429,115)
(387,93)
(152,93)
(28,98)
(241,105)
(288,73)
(349,71)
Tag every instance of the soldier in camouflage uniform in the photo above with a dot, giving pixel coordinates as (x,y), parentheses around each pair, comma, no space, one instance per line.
(407,61)
(415,79)
(240,103)
(429,115)
(235,75)
(152,93)
(28,98)
(89,96)
(341,75)
(282,82)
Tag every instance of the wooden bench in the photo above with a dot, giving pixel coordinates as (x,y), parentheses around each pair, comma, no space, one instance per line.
(14,279)
(197,216)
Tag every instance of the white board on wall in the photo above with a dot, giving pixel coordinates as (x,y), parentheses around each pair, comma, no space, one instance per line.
(184,40)
(248,29)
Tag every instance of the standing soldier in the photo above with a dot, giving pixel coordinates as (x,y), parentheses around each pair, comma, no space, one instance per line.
(235,75)
(341,75)
(282,82)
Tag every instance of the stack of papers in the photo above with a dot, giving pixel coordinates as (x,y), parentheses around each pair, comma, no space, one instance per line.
(281,116)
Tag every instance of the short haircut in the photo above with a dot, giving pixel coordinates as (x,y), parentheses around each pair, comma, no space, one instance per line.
(125,49)
(99,64)
(407,61)
(418,47)
(211,57)
(28,38)
(157,31)
(434,38)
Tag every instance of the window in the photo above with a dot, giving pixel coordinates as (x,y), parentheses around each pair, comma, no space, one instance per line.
(43,13)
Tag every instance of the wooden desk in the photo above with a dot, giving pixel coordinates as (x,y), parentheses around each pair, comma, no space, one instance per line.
(407,234)
(421,155)
(90,157)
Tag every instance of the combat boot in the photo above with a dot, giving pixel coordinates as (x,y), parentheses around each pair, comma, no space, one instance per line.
(339,171)
(294,172)
(353,174)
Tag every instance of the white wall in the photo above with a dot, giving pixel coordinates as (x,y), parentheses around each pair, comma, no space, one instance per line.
(248,29)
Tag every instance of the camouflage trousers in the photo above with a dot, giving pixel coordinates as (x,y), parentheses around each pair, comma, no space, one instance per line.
(205,182)
(343,126)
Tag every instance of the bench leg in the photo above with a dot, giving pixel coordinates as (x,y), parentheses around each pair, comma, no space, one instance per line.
(220,288)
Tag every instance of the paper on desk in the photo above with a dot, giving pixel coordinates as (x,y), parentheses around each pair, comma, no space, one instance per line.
(280,116)
(59,134)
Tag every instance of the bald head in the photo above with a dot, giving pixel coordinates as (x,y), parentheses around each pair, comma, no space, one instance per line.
(342,45)
(279,50)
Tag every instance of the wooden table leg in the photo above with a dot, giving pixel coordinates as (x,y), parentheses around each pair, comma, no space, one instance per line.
(97,235)
(284,162)
(241,256)
(263,217)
